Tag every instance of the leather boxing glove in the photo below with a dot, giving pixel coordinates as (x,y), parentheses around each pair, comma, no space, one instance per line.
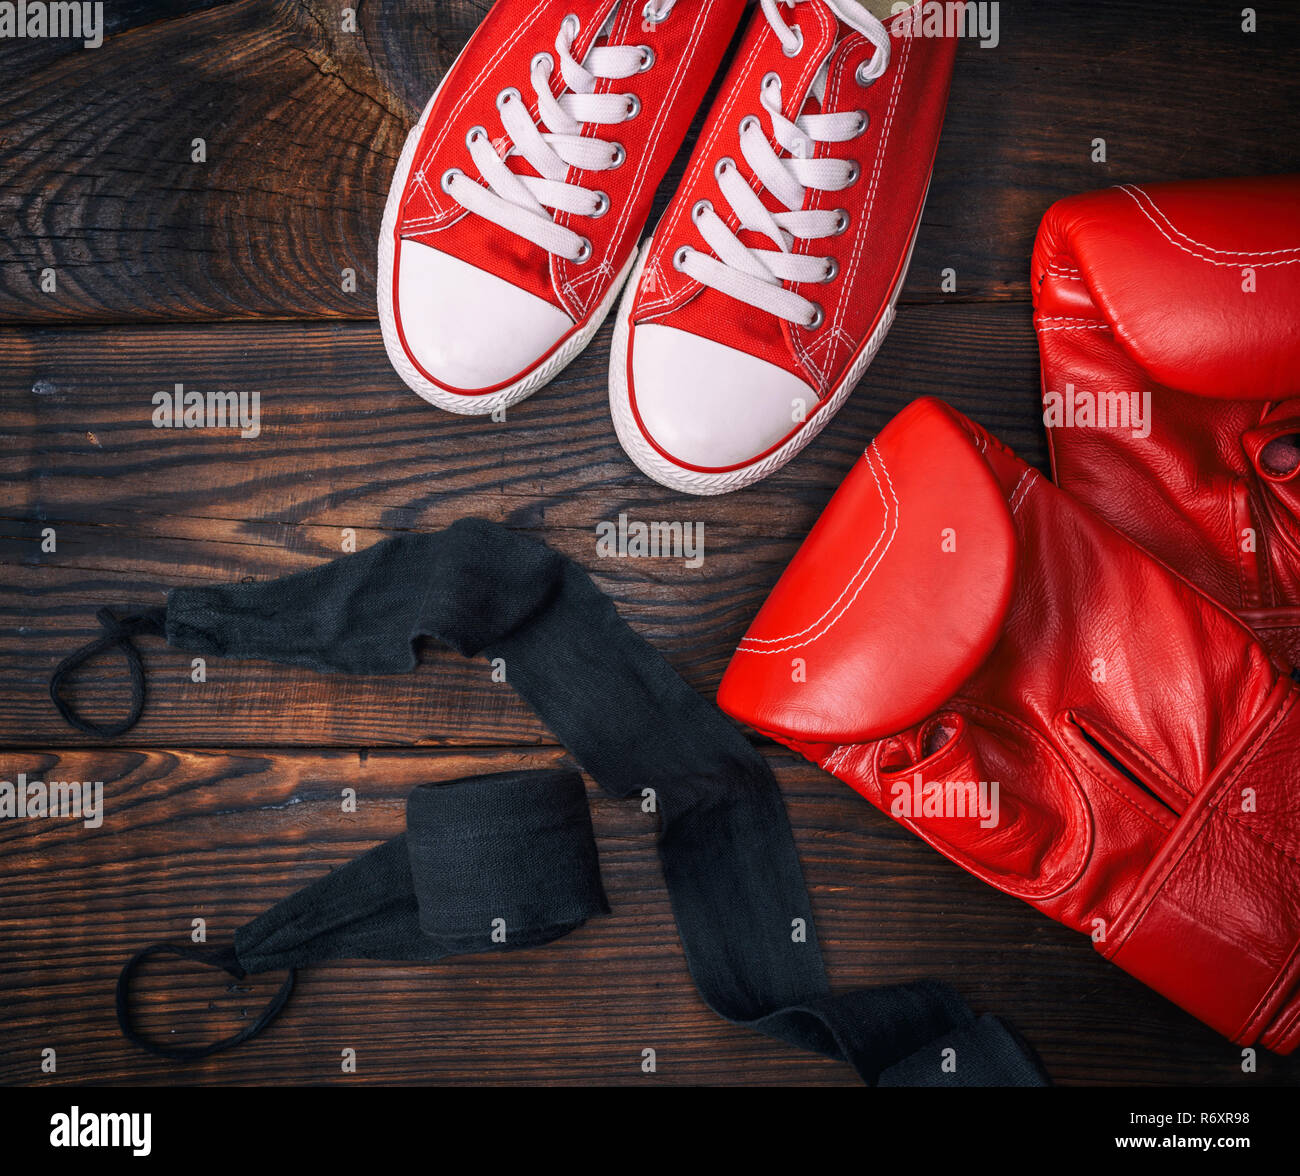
(1057,712)
(1168,320)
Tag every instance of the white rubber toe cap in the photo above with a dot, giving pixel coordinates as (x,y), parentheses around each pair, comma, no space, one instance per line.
(469,329)
(705,404)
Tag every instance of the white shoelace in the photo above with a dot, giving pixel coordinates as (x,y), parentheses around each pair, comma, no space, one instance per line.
(520,203)
(755,276)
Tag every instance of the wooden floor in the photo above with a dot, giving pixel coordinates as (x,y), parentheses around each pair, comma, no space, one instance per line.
(228,275)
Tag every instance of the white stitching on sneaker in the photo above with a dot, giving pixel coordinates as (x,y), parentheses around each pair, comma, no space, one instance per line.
(441,215)
(519,203)
(828,337)
(859,248)
(756,276)
(651,149)
(703,158)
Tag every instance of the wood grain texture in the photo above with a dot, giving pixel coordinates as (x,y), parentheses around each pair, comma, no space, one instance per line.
(304,122)
(221,836)
(136,510)
(225,798)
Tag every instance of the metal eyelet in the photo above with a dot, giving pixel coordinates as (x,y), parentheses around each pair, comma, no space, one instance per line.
(725,164)
(647,58)
(750,120)
(841,221)
(679,258)
(633,107)
(855,172)
(864,121)
(818,317)
(771,78)
(860,75)
(618,156)
(539,58)
(701,207)
(450,174)
(584,253)
(572,19)
(652,14)
(602,204)
(799,47)
(831,272)
(474,135)
(509,94)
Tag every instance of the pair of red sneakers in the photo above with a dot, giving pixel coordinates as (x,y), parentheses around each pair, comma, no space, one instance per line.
(518,204)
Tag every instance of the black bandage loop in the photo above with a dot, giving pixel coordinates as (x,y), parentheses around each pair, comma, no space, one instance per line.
(223,958)
(118,631)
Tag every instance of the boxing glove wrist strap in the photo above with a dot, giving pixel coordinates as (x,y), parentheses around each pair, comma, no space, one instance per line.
(1209,901)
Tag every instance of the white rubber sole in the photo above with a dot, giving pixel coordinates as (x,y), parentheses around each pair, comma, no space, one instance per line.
(489,402)
(677,477)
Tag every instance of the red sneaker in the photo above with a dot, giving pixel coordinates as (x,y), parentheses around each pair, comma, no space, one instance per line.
(770,282)
(519,199)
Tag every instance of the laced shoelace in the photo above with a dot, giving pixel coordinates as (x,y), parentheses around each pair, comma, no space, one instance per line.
(755,276)
(524,204)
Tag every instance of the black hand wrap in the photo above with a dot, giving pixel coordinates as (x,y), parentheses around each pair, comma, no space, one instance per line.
(726,847)
(488,863)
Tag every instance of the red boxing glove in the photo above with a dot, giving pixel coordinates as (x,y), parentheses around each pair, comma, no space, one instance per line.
(1049,707)
(1168,319)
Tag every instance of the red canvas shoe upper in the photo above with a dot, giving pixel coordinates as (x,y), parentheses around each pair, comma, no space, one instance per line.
(892,98)
(536,163)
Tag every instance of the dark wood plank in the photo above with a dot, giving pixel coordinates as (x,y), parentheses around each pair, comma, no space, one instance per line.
(24,56)
(304,123)
(137,510)
(222,836)
(1159,82)
(221,802)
